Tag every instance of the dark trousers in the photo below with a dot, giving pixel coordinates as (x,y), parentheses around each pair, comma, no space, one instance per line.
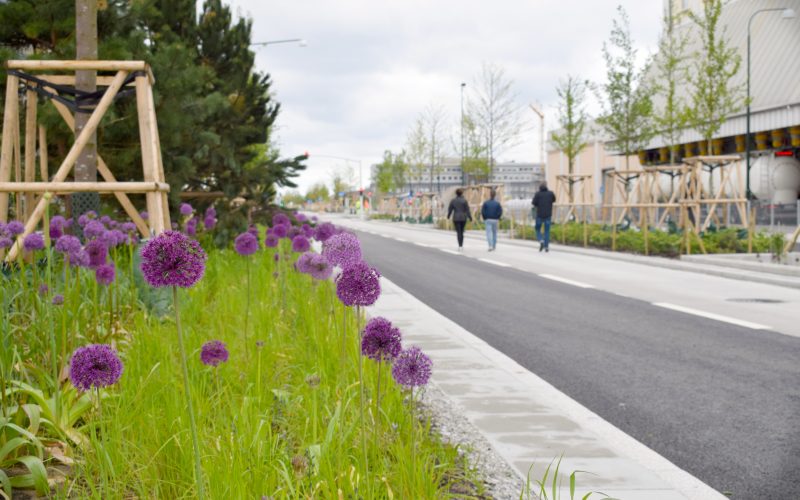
(543,221)
(460,231)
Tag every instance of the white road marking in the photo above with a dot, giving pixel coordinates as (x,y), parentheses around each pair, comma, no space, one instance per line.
(401,240)
(423,244)
(718,317)
(565,280)
(450,251)
(496,263)
(384,235)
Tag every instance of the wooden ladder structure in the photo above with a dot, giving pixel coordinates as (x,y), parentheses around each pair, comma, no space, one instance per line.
(30,199)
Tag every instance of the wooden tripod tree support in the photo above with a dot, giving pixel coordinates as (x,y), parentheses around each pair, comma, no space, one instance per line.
(25,188)
(730,191)
(573,191)
(476,194)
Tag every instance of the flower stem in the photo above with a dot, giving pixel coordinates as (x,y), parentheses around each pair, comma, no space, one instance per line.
(198,468)
(247,313)
(361,398)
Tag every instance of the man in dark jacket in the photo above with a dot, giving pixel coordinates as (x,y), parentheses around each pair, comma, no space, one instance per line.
(459,210)
(491,211)
(543,201)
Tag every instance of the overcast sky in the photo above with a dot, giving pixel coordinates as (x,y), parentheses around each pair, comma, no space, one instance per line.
(370,67)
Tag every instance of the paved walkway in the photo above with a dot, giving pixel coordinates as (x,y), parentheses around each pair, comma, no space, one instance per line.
(527,420)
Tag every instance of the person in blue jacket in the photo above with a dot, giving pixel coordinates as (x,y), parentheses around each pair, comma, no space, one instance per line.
(491,212)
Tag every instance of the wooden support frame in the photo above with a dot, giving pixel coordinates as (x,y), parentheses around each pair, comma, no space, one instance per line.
(154,186)
(573,191)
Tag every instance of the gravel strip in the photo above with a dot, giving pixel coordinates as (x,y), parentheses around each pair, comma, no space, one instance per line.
(447,419)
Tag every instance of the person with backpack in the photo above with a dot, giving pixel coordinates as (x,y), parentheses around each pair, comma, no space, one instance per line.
(491,212)
(459,210)
(543,201)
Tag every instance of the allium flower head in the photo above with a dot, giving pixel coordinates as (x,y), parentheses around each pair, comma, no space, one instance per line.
(128,227)
(172,259)
(115,237)
(271,241)
(381,340)
(80,258)
(246,244)
(33,242)
(106,220)
(105,274)
(43,289)
(210,218)
(213,353)
(58,221)
(93,229)
(308,231)
(319,267)
(14,228)
(300,243)
(191,227)
(303,262)
(324,231)
(186,209)
(55,232)
(68,244)
(95,365)
(342,249)
(301,217)
(97,252)
(280,230)
(358,285)
(58,299)
(293,231)
(5,242)
(280,219)
(144,215)
(412,367)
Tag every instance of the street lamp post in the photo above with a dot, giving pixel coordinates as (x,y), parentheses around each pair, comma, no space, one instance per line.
(463,172)
(787,13)
(300,41)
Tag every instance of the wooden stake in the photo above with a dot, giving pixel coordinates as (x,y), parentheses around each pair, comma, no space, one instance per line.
(30,146)
(44,173)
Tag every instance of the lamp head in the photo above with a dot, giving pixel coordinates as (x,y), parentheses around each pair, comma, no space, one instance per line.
(303,42)
(788,14)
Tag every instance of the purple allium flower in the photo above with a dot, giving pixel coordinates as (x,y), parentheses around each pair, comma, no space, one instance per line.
(186,209)
(358,285)
(105,274)
(68,224)
(55,232)
(173,259)
(14,228)
(191,227)
(112,224)
(5,242)
(293,231)
(128,227)
(252,229)
(43,289)
(319,267)
(276,257)
(97,252)
(58,299)
(115,237)
(246,244)
(68,244)
(105,220)
(412,367)
(303,262)
(301,217)
(313,218)
(95,365)
(342,249)
(79,258)
(213,353)
(300,243)
(174,226)
(324,231)
(380,340)
(280,230)
(94,229)
(144,215)
(271,241)
(33,242)
(58,221)
(308,231)
(280,219)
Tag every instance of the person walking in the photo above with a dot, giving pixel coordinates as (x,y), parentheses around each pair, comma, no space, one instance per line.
(459,210)
(543,202)
(491,212)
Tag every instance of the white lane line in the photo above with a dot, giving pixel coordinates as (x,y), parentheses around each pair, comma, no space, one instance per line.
(423,244)
(565,280)
(450,251)
(496,263)
(718,317)
(401,240)
(384,235)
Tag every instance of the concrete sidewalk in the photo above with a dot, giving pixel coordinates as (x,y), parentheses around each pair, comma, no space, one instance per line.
(527,420)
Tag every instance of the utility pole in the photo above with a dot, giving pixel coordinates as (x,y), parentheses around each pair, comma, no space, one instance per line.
(86,48)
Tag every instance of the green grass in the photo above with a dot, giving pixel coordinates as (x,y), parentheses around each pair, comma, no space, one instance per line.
(281,422)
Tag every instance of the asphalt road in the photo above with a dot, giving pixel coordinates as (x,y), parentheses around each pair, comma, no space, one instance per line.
(718,400)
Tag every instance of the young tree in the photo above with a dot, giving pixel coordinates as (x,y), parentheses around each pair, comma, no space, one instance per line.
(384,180)
(319,191)
(434,119)
(417,148)
(715,64)
(399,170)
(495,112)
(338,184)
(476,162)
(572,118)
(670,116)
(627,103)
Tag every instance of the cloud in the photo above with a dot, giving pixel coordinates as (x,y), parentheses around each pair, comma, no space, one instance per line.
(371,67)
